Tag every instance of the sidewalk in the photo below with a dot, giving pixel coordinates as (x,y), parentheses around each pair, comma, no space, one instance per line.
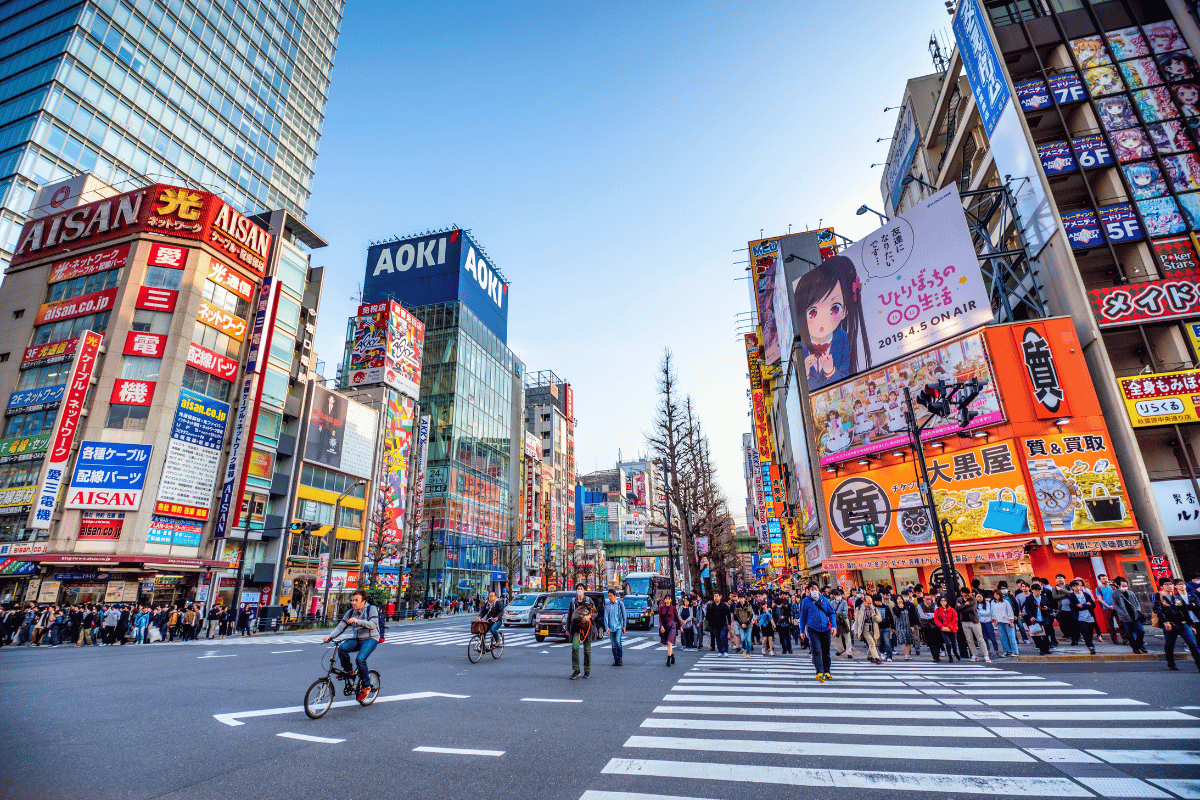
(1107,651)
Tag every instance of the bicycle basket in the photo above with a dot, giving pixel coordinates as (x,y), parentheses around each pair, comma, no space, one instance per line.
(479,626)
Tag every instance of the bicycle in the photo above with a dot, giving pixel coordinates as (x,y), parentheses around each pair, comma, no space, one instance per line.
(319,697)
(479,643)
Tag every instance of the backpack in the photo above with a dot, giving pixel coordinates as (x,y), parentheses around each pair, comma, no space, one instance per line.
(379,618)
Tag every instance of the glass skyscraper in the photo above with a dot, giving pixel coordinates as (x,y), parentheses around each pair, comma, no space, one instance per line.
(225,95)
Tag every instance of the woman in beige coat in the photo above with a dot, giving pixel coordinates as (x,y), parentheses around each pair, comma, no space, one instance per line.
(866,626)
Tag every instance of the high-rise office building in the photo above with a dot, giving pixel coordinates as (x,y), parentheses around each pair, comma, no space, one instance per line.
(229,98)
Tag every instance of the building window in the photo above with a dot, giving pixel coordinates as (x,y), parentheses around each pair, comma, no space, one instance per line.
(145,321)
(345,550)
(129,418)
(318,478)
(70,328)
(49,375)
(197,380)
(96,282)
(163,278)
(223,298)
(216,341)
(30,424)
(142,368)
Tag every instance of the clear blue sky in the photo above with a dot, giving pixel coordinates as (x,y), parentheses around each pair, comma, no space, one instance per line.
(611,157)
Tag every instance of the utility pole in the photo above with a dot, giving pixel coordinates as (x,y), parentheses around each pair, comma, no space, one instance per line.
(237,585)
(337,510)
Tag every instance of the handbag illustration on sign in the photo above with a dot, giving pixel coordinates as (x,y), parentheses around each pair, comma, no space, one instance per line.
(1104,509)
(1007,516)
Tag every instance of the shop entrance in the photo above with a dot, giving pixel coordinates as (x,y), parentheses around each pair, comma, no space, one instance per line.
(82,593)
(1140,584)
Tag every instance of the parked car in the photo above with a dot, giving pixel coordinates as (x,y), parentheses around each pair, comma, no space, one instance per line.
(551,619)
(522,608)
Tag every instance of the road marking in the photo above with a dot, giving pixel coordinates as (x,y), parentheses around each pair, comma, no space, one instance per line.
(234,718)
(1009,755)
(1122,733)
(1187,788)
(1148,756)
(739,680)
(1120,787)
(277,652)
(1038,691)
(642,646)
(848,779)
(752,686)
(816,700)
(1102,716)
(1062,755)
(306,738)
(828,729)
(1070,701)
(458,751)
(226,655)
(549,700)
(867,713)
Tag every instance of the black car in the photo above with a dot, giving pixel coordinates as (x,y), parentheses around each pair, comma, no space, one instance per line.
(639,613)
(551,619)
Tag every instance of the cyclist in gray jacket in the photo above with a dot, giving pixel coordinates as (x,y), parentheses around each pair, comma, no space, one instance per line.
(364,619)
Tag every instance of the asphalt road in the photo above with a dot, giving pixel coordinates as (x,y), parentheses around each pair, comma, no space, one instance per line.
(171,721)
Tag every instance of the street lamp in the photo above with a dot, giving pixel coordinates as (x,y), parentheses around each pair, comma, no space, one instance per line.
(864,208)
(337,512)
(793,257)
(914,179)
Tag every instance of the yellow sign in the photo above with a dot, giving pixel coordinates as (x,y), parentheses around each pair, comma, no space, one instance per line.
(1165,398)
(1193,330)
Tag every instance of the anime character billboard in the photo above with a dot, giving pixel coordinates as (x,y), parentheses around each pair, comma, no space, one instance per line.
(910,284)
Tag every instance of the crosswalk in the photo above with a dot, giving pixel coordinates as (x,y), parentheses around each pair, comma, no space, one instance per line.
(734,728)
(442,636)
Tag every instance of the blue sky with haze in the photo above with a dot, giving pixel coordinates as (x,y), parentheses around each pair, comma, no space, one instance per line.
(611,157)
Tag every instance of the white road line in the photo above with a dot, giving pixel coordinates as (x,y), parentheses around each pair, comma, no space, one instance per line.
(1008,755)
(1062,755)
(831,728)
(841,713)
(592,794)
(233,719)
(754,686)
(458,751)
(754,681)
(549,700)
(1069,701)
(229,655)
(1015,683)
(1121,787)
(848,779)
(1187,788)
(642,646)
(277,652)
(976,692)
(826,700)
(1102,716)
(1148,756)
(1123,733)
(306,738)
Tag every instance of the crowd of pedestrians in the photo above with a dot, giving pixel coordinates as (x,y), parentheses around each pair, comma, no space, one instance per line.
(108,624)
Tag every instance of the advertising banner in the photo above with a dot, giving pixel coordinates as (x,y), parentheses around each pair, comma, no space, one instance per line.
(1092,151)
(1032,95)
(764,262)
(907,286)
(168,530)
(341,434)
(397,449)
(866,415)
(802,479)
(64,431)
(1082,228)
(1178,257)
(417,503)
(980,491)
(109,476)
(1042,374)
(154,299)
(226,276)
(762,429)
(221,320)
(131,392)
(89,264)
(1167,398)
(1179,506)
(39,355)
(1121,223)
(92,303)
(17,499)
(1067,88)
(1056,158)
(151,345)
(193,457)
(905,139)
(23,448)
(406,340)
(1151,301)
(101,525)
(368,349)
(31,400)
(213,363)
(167,255)
(1076,483)
(264,313)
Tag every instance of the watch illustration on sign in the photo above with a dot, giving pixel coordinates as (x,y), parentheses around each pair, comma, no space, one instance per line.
(1057,496)
(857,501)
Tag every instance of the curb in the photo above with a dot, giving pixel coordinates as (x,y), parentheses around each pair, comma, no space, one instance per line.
(1052,659)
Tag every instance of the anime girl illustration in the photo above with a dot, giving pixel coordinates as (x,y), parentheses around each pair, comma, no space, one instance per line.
(1140,73)
(829,304)
(1090,52)
(1162,216)
(1116,114)
(1131,144)
(1188,95)
(1155,104)
(895,413)
(1127,43)
(1191,208)
(1164,36)
(1102,81)
(837,437)
(863,426)
(1145,181)
(1179,66)
(1169,137)
(1184,171)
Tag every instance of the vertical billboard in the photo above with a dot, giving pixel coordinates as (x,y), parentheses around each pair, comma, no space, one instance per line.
(397,448)
(386,347)
(900,160)
(802,476)
(764,263)
(908,285)
(193,457)
(69,414)
(341,434)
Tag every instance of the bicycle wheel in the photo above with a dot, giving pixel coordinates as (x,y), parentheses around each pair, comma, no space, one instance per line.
(374,689)
(475,649)
(498,647)
(318,698)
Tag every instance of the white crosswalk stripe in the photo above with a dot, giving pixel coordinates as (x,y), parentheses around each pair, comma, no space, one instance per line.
(732,727)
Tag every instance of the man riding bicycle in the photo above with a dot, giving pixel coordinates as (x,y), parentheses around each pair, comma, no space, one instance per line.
(493,613)
(364,618)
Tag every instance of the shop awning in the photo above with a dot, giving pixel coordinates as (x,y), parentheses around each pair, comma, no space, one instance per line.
(1090,545)
(927,557)
(129,561)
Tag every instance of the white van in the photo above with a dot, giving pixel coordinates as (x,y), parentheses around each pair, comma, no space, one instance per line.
(521,608)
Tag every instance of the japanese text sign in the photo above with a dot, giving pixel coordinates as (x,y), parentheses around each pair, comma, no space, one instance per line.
(128,392)
(30,400)
(152,345)
(109,476)
(226,276)
(154,299)
(1042,375)
(1167,398)
(1075,482)
(193,457)
(100,261)
(167,255)
(92,303)
(221,320)
(1152,301)
(212,363)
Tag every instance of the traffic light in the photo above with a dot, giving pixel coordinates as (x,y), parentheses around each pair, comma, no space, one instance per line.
(935,398)
(967,394)
(870,537)
(306,527)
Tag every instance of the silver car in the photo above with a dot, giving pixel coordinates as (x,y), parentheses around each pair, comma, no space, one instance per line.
(521,609)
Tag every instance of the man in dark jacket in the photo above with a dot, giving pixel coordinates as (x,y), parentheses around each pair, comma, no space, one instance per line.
(815,624)
(1049,610)
(1129,614)
(583,625)
(718,624)
(782,614)
(1172,609)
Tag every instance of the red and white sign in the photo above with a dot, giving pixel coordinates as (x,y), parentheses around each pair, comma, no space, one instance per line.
(101,261)
(224,275)
(106,527)
(156,299)
(212,363)
(145,344)
(117,499)
(59,351)
(64,434)
(1152,301)
(92,303)
(264,596)
(168,255)
(132,393)
(220,319)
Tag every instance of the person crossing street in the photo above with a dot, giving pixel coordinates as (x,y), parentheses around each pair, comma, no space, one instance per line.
(815,624)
